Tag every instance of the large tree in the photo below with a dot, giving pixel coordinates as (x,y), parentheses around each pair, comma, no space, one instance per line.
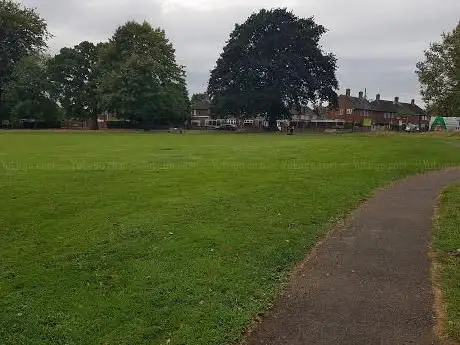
(27,94)
(199,97)
(141,79)
(439,75)
(74,75)
(272,63)
(22,32)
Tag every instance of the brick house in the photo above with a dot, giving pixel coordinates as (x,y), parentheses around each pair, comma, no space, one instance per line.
(378,113)
(201,113)
(305,114)
(302,119)
(201,116)
(351,109)
(394,113)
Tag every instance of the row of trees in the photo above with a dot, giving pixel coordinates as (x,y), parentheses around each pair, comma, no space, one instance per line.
(134,75)
(271,64)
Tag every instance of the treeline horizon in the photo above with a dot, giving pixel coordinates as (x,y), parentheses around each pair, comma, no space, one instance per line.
(271,63)
(133,74)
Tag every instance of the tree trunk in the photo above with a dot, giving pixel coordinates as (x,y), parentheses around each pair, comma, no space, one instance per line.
(276,109)
(94,123)
(3,115)
(272,124)
(147,125)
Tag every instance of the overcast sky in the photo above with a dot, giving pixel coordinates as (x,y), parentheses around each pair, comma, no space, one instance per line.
(377,43)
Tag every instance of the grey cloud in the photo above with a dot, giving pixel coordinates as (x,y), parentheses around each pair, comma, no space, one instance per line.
(377,44)
(72,21)
(199,37)
(388,77)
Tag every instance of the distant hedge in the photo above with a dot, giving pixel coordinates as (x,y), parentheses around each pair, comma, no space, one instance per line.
(122,124)
(125,124)
(38,125)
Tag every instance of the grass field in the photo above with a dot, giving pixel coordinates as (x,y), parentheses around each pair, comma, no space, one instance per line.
(447,242)
(125,238)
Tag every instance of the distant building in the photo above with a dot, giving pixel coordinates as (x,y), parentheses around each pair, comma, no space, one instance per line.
(378,113)
(201,113)
(303,118)
(440,123)
(104,118)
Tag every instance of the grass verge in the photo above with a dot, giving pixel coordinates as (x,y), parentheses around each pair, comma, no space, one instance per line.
(133,238)
(447,245)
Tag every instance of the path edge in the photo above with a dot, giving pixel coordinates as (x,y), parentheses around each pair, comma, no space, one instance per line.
(439,306)
(336,227)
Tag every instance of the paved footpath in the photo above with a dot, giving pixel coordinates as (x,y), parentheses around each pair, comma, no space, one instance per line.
(369,282)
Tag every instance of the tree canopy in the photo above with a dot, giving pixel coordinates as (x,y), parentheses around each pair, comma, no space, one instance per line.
(73,73)
(439,75)
(141,80)
(22,33)
(134,75)
(272,63)
(27,95)
(199,97)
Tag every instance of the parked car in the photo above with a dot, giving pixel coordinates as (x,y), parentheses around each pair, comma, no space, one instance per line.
(175,130)
(412,128)
(227,127)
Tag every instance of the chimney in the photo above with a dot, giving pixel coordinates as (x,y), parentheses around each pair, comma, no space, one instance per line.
(396,100)
(360,95)
(377,98)
(348,92)
(412,102)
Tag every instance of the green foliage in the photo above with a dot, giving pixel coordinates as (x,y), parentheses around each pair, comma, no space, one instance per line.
(141,80)
(271,64)
(199,97)
(22,33)
(73,73)
(27,94)
(439,75)
(135,75)
(122,124)
(128,238)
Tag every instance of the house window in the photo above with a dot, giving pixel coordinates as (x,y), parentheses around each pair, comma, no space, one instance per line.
(341,112)
(349,111)
(387,116)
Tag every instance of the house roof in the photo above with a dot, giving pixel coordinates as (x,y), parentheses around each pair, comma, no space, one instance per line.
(201,105)
(412,109)
(382,105)
(385,106)
(303,111)
(398,108)
(356,102)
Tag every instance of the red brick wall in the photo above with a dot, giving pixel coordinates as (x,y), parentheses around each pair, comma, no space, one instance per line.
(341,112)
(377,117)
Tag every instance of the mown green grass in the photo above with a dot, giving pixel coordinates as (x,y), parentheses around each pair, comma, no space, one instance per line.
(447,242)
(125,238)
